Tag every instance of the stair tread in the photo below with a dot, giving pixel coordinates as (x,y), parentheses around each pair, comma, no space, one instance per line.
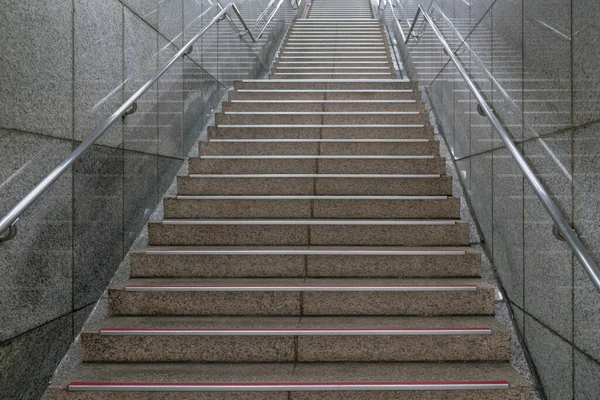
(268,283)
(291,322)
(392,250)
(292,372)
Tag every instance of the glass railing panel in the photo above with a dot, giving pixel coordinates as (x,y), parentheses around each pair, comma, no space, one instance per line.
(507,68)
(546,70)
(141,61)
(475,54)
(548,261)
(170,104)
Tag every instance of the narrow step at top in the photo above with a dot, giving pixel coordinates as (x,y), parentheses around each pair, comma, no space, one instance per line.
(378,222)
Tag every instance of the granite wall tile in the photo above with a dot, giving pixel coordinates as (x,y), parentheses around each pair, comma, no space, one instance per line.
(140,130)
(98,68)
(36,265)
(587,383)
(28,361)
(481,195)
(585,66)
(193,102)
(36,65)
(98,218)
(145,9)
(586,220)
(507,67)
(546,70)
(548,261)
(508,224)
(553,359)
(170,104)
(140,194)
(170,20)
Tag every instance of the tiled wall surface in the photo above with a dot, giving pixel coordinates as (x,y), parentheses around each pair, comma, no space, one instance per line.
(66,65)
(545,59)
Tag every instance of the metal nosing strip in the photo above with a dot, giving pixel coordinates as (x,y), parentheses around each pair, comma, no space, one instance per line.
(325,91)
(326,81)
(309,197)
(294,331)
(304,126)
(308,222)
(322,112)
(398,288)
(319,141)
(182,251)
(285,386)
(318,157)
(288,176)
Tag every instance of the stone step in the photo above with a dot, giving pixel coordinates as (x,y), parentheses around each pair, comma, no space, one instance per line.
(324,105)
(321,184)
(322,164)
(320,118)
(289,296)
(291,381)
(316,131)
(295,339)
(368,207)
(297,232)
(329,95)
(318,146)
(324,83)
(305,261)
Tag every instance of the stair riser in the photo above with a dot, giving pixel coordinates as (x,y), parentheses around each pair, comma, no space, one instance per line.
(327,85)
(493,347)
(479,302)
(328,107)
(302,235)
(312,166)
(306,186)
(323,148)
(324,266)
(324,96)
(325,133)
(305,209)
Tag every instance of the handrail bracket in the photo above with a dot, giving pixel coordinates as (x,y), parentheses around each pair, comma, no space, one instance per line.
(10,233)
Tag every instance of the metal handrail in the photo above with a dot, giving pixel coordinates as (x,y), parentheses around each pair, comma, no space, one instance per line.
(8,229)
(262,14)
(561,223)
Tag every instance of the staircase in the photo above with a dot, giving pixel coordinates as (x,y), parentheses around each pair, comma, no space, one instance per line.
(314,251)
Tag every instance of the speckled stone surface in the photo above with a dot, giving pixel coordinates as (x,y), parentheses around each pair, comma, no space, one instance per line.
(310,208)
(252,166)
(393,266)
(384,186)
(263,133)
(390,235)
(381,166)
(258,148)
(241,186)
(227,235)
(216,266)
(358,132)
(223,208)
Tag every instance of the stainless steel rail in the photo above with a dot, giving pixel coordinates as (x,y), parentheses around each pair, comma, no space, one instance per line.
(561,223)
(8,229)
